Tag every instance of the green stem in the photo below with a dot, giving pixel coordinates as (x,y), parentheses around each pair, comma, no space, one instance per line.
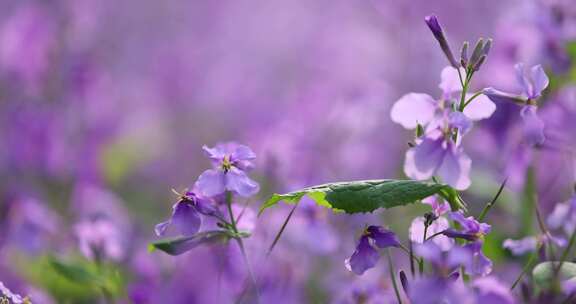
(567,250)
(277,237)
(492,202)
(393,277)
(241,245)
(472,98)
(527,267)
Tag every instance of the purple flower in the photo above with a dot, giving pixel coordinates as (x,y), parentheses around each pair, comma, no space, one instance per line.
(439,156)
(491,290)
(186,213)
(444,261)
(478,264)
(471,229)
(531,243)
(433,290)
(366,256)
(99,238)
(11,297)
(439,206)
(532,83)
(564,216)
(418,108)
(230,162)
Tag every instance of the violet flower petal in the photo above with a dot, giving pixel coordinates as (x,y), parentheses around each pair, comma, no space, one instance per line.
(211,182)
(363,258)
(413,109)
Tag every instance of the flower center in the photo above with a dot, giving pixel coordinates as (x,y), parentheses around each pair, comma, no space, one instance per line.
(226,163)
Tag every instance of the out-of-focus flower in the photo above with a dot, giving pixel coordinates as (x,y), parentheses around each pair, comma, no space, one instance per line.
(439,205)
(564,216)
(491,290)
(444,261)
(432,290)
(186,214)
(231,161)
(531,243)
(532,82)
(366,256)
(99,239)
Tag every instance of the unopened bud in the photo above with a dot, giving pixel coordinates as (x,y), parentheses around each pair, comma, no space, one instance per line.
(434,25)
(464,54)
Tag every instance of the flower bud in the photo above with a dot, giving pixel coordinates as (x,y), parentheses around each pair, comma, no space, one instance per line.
(464,54)
(434,25)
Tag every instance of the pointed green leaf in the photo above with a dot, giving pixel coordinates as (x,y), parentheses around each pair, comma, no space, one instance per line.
(369,195)
(179,245)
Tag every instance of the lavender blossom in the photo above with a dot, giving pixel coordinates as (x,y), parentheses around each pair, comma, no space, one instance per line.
(366,256)
(532,82)
(186,214)
(231,161)
(99,239)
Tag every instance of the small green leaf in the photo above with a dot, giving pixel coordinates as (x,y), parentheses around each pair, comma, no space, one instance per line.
(72,272)
(179,245)
(369,195)
(543,273)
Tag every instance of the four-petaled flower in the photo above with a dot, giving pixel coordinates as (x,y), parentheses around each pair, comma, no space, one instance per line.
(366,256)
(231,161)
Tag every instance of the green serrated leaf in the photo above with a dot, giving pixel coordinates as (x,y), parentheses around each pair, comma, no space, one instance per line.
(543,273)
(368,195)
(179,245)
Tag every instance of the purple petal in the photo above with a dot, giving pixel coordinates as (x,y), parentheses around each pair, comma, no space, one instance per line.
(479,108)
(363,258)
(523,80)
(216,154)
(416,232)
(243,153)
(460,121)
(559,215)
(430,252)
(458,256)
(450,81)
(160,229)
(412,109)
(186,219)
(383,238)
(455,168)
(539,81)
(533,126)
(490,290)
(423,160)
(522,246)
(211,182)
(479,264)
(238,181)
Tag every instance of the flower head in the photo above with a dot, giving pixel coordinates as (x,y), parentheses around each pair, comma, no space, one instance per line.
(186,214)
(230,161)
(366,256)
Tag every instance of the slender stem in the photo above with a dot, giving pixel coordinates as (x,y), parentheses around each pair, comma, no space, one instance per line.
(425,233)
(567,250)
(230,212)
(492,202)
(412,269)
(472,98)
(545,232)
(393,277)
(527,267)
(277,237)
(241,245)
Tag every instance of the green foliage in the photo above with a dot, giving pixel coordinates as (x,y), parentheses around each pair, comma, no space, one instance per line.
(369,195)
(179,245)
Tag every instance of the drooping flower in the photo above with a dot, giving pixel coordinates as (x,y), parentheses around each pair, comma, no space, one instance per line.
(186,214)
(532,82)
(230,161)
(473,231)
(366,256)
